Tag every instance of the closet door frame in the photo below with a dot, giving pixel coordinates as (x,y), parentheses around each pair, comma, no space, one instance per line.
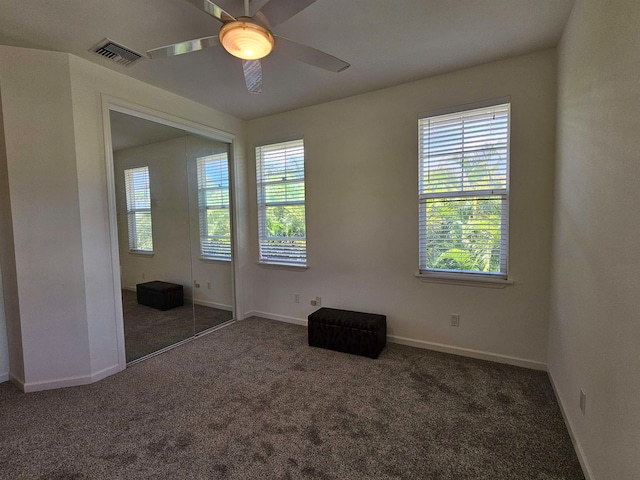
(109,104)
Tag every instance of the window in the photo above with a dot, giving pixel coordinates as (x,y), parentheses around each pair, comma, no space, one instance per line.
(213,206)
(138,194)
(464,192)
(281,209)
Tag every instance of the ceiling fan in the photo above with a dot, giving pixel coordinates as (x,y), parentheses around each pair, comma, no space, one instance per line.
(250,39)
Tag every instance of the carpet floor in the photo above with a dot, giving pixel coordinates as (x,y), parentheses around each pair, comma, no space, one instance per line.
(253,401)
(147,330)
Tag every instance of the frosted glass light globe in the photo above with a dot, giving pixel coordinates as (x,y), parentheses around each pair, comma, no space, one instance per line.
(246,40)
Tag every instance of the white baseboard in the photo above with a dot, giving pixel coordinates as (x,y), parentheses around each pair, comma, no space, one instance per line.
(577,446)
(16,381)
(105,372)
(205,303)
(468,352)
(280,318)
(465,352)
(4,377)
(29,387)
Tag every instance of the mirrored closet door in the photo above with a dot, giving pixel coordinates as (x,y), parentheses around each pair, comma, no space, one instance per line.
(208,172)
(173,202)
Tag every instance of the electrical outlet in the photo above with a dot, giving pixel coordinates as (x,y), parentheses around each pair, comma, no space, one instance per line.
(455,320)
(318,302)
(583,402)
(208,285)
(296,298)
(196,284)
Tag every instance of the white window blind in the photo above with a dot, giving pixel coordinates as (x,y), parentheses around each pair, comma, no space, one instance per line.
(138,196)
(464,191)
(213,206)
(281,203)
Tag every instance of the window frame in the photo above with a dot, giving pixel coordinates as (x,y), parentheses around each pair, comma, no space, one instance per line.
(262,205)
(133,211)
(204,207)
(466,277)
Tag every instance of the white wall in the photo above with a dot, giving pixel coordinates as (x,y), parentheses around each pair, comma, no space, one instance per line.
(43,194)
(4,345)
(362,212)
(595,333)
(10,324)
(57,189)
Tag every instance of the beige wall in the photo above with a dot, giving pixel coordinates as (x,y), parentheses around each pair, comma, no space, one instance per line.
(57,189)
(362,213)
(595,332)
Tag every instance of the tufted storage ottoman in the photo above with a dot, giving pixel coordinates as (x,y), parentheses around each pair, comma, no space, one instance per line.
(160,295)
(350,332)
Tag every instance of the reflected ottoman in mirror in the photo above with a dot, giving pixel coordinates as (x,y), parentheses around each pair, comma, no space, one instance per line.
(160,295)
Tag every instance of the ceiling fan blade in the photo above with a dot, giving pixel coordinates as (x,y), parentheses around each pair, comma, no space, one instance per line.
(253,75)
(278,11)
(212,9)
(309,55)
(184,47)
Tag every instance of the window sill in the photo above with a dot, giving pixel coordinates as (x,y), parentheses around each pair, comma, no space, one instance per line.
(284,266)
(141,253)
(468,280)
(215,260)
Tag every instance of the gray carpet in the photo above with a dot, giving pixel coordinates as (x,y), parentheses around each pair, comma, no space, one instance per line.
(147,330)
(253,401)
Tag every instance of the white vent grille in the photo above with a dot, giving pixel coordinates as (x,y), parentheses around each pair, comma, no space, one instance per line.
(116,53)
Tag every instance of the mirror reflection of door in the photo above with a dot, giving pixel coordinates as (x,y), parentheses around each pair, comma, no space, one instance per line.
(174,233)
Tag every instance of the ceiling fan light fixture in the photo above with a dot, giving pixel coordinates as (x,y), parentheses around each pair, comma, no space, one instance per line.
(246,39)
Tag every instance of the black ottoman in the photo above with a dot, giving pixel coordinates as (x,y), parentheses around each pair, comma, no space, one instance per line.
(160,295)
(350,332)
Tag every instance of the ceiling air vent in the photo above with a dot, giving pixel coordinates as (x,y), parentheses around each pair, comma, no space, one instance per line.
(116,53)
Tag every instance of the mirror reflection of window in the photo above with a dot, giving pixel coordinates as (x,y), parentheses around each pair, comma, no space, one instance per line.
(139,221)
(213,207)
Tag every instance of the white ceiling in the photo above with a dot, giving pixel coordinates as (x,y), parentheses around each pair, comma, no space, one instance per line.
(128,131)
(387,43)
